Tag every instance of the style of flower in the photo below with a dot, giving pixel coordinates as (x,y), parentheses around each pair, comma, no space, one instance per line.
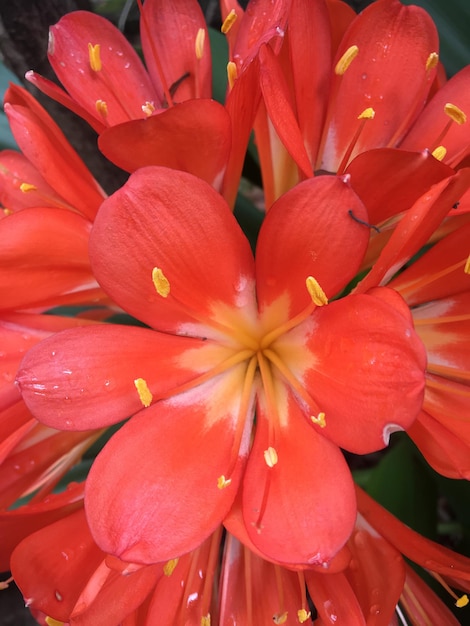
(229,334)
(50,199)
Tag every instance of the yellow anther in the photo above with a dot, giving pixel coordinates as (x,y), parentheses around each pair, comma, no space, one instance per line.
(270,456)
(232,73)
(7,211)
(229,22)
(169,567)
(199,43)
(316,292)
(223,482)
(206,620)
(462,601)
(439,153)
(367,114)
(101,107)
(144,392)
(25,187)
(319,419)
(432,61)
(95,57)
(455,114)
(466,269)
(346,60)
(148,108)
(281,618)
(50,621)
(161,282)
(303,615)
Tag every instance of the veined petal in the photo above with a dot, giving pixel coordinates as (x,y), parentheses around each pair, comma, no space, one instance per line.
(85,378)
(404,37)
(158,461)
(194,136)
(390,181)
(415,228)
(334,599)
(182,229)
(168,29)
(439,273)
(433,120)
(44,255)
(367,369)
(312,230)
(121,80)
(305,524)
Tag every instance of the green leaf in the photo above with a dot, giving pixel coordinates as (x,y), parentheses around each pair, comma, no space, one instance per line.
(219,51)
(6,138)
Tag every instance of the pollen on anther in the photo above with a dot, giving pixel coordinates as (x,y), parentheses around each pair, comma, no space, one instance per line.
(223,482)
(95,57)
(367,114)
(229,22)
(199,43)
(148,108)
(319,419)
(439,153)
(466,269)
(270,456)
(280,618)
(144,392)
(303,615)
(432,61)
(161,282)
(316,292)
(346,60)
(232,73)
(169,567)
(25,187)
(101,107)
(50,621)
(462,601)
(206,620)
(455,114)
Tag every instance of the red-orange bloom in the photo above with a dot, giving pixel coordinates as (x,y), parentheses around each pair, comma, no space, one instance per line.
(229,333)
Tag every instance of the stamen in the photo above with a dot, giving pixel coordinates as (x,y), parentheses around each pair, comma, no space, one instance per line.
(439,153)
(455,114)
(4,584)
(206,620)
(319,420)
(95,57)
(161,282)
(169,567)
(316,292)
(270,456)
(7,212)
(280,618)
(432,61)
(25,187)
(232,73)
(101,107)
(148,108)
(223,482)
(303,615)
(199,43)
(229,22)
(144,392)
(50,621)
(460,601)
(466,269)
(346,60)
(367,114)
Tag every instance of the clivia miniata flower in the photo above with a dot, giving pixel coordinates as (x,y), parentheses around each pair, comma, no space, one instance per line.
(250,378)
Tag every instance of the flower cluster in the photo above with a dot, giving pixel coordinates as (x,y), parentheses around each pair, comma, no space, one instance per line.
(221,422)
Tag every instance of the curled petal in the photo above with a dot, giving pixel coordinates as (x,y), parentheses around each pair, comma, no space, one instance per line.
(305,524)
(158,461)
(312,230)
(366,354)
(167,211)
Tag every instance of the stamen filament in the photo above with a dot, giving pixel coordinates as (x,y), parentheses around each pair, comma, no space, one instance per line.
(425,279)
(248,585)
(367,114)
(210,571)
(274,334)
